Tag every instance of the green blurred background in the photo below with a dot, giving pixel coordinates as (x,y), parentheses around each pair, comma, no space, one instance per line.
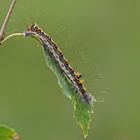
(101,40)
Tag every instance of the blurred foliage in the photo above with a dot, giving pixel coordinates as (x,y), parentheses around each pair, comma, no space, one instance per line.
(7,133)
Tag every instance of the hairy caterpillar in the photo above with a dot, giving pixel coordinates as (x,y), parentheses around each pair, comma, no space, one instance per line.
(57,56)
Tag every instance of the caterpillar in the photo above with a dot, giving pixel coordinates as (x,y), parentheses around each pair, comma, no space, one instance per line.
(51,48)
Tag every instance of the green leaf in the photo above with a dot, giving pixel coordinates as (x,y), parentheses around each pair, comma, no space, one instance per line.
(82,113)
(7,133)
(82,110)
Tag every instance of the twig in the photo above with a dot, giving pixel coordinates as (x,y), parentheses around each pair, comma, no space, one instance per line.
(11,35)
(5,22)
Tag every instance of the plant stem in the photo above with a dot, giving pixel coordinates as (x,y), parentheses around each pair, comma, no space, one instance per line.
(5,22)
(12,35)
